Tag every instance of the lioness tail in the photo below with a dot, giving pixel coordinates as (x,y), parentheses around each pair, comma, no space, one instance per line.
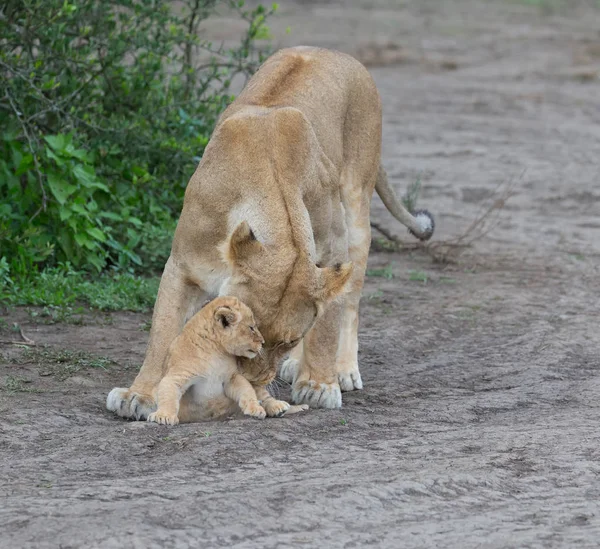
(420,223)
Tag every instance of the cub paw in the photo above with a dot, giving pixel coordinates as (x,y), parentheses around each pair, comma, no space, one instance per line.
(163,418)
(317,395)
(141,406)
(254,409)
(275,408)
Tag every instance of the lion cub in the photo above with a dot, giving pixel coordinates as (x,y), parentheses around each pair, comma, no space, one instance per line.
(205,355)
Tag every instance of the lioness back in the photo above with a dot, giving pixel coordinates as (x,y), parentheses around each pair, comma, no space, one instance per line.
(322,84)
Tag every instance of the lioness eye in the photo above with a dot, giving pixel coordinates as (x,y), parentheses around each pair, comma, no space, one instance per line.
(252,329)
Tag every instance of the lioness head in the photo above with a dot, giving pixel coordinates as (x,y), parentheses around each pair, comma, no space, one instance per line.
(286,291)
(236,327)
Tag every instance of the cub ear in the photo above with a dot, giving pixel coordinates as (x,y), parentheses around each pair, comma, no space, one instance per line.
(227,316)
(333,281)
(241,245)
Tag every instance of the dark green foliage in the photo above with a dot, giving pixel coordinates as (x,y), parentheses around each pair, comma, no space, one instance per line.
(105,109)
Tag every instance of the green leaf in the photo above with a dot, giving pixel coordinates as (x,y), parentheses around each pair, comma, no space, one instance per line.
(65,214)
(80,154)
(66,243)
(110,215)
(25,164)
(57,142)
(61,190)
(85,175)
(83,241)
(95,261)
(59,161)
(80,209)
(96,233)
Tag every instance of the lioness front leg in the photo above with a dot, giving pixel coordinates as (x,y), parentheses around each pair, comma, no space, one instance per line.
(277,408)
(168,397)
(175,295)
(314,376)
(239,389)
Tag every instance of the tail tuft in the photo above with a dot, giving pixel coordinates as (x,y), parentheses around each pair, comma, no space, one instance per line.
(426,225)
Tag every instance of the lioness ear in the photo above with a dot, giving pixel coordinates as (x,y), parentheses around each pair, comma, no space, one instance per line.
(333,281)
(241,244)
(227,317)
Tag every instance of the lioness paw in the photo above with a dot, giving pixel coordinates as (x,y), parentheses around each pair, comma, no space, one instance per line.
(275,408)
(317,395)
(128,404)
(118,401)
(254,409)
(163,418)
(349,378)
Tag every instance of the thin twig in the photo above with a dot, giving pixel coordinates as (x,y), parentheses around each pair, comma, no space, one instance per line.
(450,249)
(26,339)
(385,232)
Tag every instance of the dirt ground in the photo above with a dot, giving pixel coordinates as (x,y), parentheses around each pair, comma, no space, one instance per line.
(478,424)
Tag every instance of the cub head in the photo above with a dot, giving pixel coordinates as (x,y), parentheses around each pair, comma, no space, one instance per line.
(285,289)
(236,328)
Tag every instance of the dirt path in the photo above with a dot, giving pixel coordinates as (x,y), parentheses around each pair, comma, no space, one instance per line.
(478,425)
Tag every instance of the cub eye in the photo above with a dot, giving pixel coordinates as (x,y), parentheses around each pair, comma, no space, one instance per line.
(293,343)
(252,329)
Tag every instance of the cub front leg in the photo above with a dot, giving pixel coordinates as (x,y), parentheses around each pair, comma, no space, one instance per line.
(239,389)
(168,396)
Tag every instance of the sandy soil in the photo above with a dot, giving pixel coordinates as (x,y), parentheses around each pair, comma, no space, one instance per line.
(478,424)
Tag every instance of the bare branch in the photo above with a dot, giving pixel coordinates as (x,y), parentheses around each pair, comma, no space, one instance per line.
(448,250)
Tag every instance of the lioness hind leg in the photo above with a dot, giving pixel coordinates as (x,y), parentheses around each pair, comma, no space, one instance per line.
(357,213)
(175,296)
(289,369)
(346,363)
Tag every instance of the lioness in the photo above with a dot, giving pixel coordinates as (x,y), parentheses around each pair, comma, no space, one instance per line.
(277,214)
(203,360)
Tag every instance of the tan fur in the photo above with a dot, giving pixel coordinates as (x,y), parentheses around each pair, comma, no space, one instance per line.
(277,214)
(204,358)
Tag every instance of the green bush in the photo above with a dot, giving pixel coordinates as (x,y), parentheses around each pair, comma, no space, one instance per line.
(105,109)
